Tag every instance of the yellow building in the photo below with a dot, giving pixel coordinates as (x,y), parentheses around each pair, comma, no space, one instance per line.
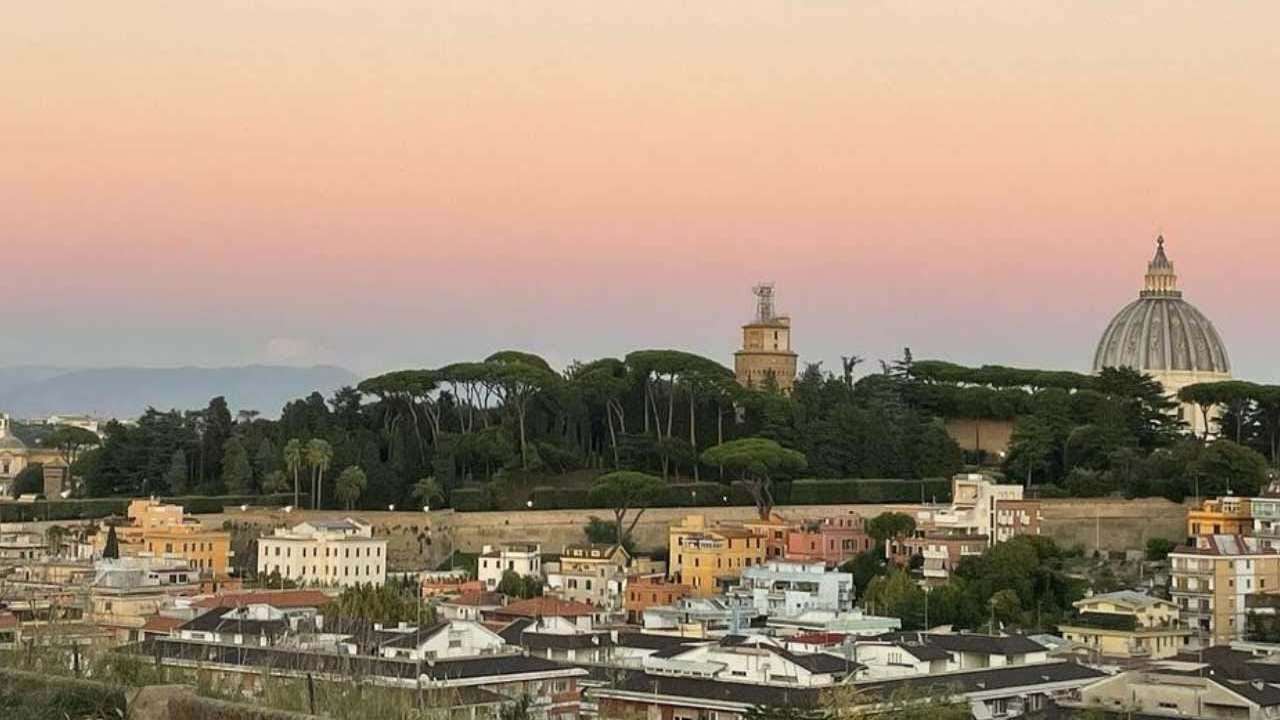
(711,559)
(1228,515)
(1212,580)
(163,531)
(766,352)
(1127,624)
(776,532)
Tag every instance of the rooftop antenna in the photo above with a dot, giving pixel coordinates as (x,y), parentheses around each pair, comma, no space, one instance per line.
(764,302)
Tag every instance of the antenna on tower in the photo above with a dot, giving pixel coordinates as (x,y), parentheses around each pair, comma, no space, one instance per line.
(764,302)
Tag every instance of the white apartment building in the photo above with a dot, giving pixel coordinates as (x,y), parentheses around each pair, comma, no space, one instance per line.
(980,506)
(787,588)
(325,552)
(520,558)
(441,641)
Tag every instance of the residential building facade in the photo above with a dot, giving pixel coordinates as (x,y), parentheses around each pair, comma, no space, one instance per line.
(711,559)
(325,553)
(646,592)
(1227,515)
(1127,624)
(593,574)
(833,540)
(521,558)
(1211,580)
(160,530)
(788,588)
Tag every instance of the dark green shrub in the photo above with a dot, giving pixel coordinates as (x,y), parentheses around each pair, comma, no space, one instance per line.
(471,499)
(857,491)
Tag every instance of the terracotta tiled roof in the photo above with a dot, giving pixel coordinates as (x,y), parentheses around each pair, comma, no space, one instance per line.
(545,607)
(818,638)
(275,598)
(477,599)
(162,624)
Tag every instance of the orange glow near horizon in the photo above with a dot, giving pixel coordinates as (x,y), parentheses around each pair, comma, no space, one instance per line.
(423,181)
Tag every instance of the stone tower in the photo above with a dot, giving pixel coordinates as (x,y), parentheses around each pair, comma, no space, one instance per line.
(766,346)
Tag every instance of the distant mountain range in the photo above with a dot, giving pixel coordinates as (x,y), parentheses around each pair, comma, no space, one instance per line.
(33,391)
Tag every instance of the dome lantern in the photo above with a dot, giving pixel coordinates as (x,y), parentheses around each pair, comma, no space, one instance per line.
(1161,280)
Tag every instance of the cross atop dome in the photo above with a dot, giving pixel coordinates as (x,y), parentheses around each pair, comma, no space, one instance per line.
(1161,280)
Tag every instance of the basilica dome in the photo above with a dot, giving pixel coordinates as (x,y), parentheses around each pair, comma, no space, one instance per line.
(1163,335)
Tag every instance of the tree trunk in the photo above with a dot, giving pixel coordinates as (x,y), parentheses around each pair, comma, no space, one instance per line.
(762,496)
(644,400)
(634,520)
(720,435)
(524,448)
(613,437)
(622,416)
(671,405)
(693,438)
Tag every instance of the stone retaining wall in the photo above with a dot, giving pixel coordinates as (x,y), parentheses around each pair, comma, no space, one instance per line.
(418,539)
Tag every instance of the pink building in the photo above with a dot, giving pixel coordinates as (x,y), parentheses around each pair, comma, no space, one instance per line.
(834,540)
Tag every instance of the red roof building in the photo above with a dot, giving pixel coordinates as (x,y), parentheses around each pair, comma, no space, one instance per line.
(275,598)
(544,607)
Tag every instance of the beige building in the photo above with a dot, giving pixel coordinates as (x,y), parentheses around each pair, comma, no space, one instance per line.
(592,574)
(1127,624)
(1166,337)
(1211,580)
(126,591)
(1177,690)
(981,506)
(325,552)
(20,545)
(766,346)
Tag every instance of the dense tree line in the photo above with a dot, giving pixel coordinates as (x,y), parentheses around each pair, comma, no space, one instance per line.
(412,437)
(1114,432)
(1020,583)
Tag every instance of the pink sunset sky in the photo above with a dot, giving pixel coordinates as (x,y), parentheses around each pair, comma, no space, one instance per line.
(398,183)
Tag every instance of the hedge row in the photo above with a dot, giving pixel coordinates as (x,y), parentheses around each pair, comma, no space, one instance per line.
(676,495)
(471,499)
(837,492)
(695,494)
(97,508)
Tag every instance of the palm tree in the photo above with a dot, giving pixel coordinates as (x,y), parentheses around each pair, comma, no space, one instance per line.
(427,489)
(293,461)
(350,485)
(319,455)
